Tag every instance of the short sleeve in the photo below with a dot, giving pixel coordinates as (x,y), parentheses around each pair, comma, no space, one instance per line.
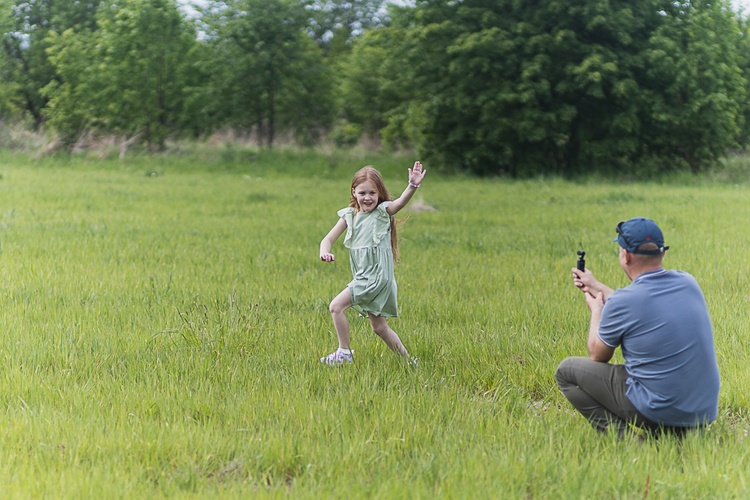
(348,215)
(383,226)
(612,327)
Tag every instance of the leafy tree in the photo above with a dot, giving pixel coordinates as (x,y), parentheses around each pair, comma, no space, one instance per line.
(306,101)
(375,90)
(72,109)
(11,95)
(141,68)
(694,84)
(200,111)
(743,138)
(26,68)
(126,76)
(266,71)
(513,86)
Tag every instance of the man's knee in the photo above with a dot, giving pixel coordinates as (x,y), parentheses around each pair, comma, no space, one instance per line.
(565,374)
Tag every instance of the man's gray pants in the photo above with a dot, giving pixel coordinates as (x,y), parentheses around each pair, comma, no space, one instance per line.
(597,391)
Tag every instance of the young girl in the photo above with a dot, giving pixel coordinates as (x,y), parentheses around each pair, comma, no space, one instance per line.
(371,240)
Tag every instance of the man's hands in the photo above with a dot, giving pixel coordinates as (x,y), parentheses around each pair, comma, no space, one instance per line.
(583,280)
(595,303)
(586,282)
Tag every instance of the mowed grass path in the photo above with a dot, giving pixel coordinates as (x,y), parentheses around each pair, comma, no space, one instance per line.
(160,336)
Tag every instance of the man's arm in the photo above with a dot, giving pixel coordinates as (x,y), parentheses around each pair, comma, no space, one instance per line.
(598,350)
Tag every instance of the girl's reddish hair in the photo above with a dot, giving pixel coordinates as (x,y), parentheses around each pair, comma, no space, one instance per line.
(369,173)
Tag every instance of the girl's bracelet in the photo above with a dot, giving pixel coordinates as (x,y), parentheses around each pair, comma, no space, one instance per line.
(415,186)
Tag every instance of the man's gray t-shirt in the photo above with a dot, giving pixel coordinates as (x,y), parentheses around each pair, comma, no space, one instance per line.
(661,322)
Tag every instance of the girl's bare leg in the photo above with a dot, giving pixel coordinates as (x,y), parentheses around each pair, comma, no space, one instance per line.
(338,307)
(380,327)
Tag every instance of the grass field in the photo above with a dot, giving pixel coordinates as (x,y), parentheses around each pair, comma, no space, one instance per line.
(161,321)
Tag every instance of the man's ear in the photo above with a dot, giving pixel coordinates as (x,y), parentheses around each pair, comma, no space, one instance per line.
(628,257)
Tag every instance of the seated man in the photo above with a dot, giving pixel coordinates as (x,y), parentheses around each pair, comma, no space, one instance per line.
(670,379)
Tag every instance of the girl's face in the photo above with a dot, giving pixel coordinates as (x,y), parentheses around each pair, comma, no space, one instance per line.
(366,196)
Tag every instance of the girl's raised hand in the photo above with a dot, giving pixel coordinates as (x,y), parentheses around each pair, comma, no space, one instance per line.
(416,174)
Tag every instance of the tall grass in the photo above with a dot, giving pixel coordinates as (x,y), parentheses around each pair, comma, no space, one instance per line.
(161,321)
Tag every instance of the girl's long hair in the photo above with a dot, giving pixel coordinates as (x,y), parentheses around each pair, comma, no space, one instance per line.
(368,173)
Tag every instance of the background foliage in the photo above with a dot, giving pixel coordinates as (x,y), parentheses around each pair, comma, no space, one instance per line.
(509,87)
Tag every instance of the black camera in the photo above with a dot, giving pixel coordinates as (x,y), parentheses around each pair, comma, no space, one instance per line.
(581,263)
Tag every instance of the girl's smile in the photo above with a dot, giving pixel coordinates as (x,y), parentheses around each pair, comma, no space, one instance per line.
(367,196)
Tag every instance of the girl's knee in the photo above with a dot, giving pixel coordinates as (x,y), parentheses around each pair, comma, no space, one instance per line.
(340,303)
(337,306)
(380,331)
(380,327)
(384,331)
(335,309)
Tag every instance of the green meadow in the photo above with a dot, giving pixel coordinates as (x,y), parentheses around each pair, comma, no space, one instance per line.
(161,321)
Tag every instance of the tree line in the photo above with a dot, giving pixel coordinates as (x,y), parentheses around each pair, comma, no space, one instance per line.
(516,87)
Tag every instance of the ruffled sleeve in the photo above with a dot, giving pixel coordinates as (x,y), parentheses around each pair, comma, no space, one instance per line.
(383,225)
(348,215)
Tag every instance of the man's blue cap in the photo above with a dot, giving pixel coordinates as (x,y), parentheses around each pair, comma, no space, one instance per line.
(638,231)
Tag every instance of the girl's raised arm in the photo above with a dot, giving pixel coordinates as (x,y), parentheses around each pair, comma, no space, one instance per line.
(416,175)
(327,243)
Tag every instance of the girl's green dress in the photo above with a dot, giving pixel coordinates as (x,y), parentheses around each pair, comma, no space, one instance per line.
(368,237)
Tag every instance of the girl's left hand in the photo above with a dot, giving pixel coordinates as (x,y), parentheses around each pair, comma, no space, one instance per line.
(416,174)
